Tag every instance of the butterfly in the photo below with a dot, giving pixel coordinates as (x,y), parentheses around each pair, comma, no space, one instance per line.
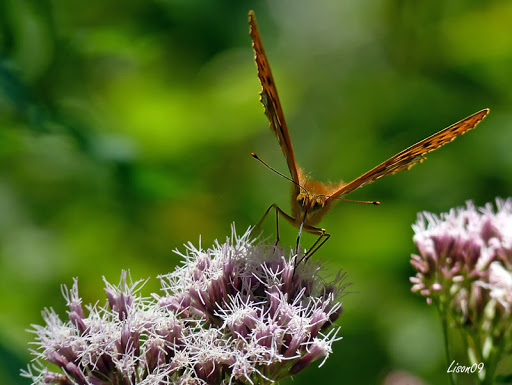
(311,200)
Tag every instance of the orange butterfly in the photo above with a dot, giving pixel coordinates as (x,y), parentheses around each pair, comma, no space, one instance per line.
(311,199)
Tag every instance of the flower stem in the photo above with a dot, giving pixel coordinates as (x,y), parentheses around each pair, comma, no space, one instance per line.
(444,323)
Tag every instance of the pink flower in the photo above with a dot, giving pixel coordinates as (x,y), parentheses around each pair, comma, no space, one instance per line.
(240,312)
(464,267)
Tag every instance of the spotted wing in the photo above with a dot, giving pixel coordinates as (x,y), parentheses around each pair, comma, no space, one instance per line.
(270,100)
(407,158)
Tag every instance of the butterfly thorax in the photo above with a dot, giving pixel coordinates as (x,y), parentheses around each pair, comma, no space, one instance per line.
(312,200)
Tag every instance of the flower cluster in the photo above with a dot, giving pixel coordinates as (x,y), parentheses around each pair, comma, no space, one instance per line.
(462,248)
(238,313)
(464,267)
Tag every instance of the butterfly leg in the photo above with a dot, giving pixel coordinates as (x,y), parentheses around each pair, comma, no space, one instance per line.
(258,226)
(322,238)
(278,212)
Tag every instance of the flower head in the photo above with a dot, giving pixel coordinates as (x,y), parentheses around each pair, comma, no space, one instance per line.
(464,266)
(240,312)
(460,245)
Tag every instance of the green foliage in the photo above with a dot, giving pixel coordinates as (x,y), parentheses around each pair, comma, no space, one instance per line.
(126,129)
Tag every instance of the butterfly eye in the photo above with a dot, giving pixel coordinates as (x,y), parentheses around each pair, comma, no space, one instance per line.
(316,206)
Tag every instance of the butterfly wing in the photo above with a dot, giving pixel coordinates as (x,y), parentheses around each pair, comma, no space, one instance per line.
(270,101)
(407,158)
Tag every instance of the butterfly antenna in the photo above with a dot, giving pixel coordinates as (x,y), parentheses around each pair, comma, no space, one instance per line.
(366,202)
(277,172)
(353,201)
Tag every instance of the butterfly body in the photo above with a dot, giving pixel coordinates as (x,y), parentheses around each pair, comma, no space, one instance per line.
(311,200)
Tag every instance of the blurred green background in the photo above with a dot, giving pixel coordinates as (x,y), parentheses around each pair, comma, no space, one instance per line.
(126,128)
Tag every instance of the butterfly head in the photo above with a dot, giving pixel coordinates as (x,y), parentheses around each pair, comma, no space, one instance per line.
(312,206)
